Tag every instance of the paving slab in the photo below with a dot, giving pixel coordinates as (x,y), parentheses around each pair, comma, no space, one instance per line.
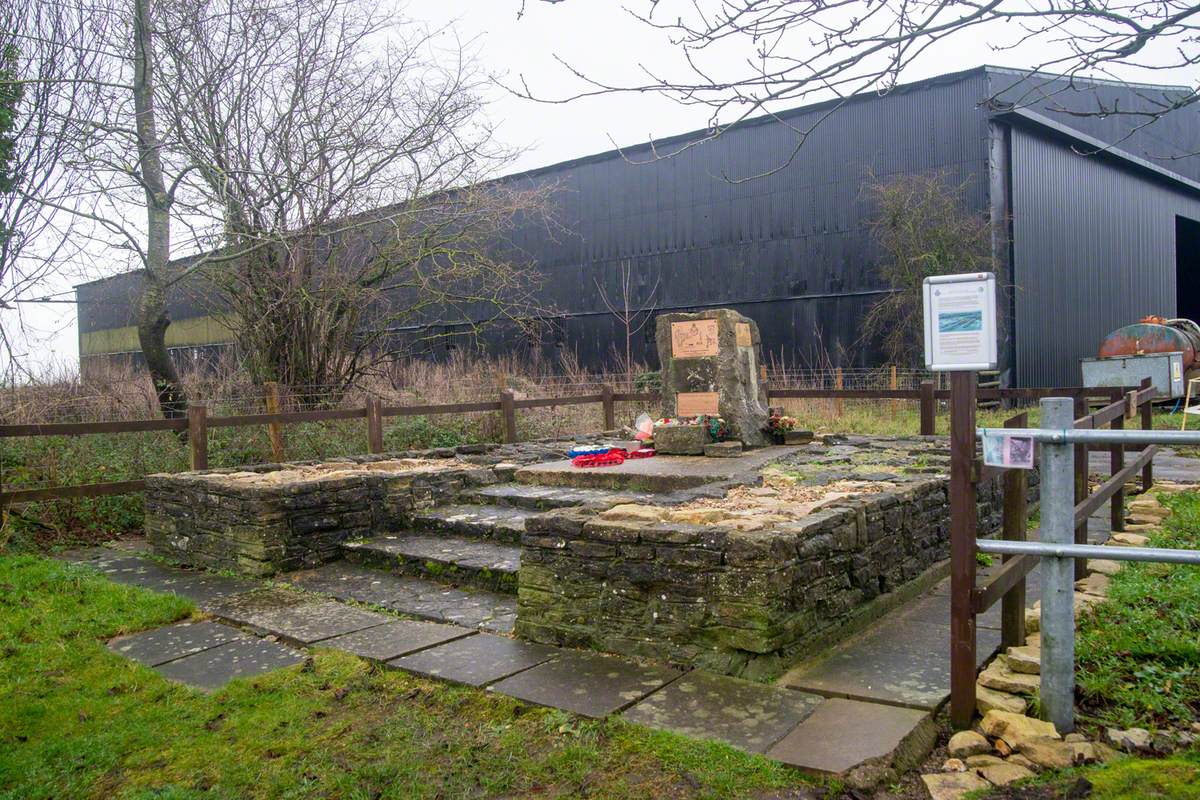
(476,660)
(394,639)
(486,563)
(747,715)
(418,597)
(841,734)
(243,609)
(586,683)
(657,474)
(160,645)
(900,660)
(242,658)
(312,622)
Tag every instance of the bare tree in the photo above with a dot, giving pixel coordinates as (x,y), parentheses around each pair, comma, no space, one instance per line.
(632,317)
(924,227)
(796,50)
(44,57)
(346,153)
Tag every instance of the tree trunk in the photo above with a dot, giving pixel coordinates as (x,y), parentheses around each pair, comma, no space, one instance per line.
(152,319)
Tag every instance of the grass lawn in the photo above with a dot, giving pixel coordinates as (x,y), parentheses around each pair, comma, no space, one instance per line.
(77,721)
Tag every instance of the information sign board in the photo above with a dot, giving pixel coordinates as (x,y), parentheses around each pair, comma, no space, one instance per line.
(960,322)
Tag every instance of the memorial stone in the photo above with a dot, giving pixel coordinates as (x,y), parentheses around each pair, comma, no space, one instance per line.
(710,366)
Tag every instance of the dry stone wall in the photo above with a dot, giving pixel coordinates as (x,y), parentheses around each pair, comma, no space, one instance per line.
(210,519)
(737,602)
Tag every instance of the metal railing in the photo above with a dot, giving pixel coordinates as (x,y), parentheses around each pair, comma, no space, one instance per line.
(1058,549)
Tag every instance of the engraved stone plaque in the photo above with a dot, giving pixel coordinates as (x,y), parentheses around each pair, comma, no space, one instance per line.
(693,404)
(694,338)
(742,333)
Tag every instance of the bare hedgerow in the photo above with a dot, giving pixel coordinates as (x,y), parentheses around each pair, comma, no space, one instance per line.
(923,227)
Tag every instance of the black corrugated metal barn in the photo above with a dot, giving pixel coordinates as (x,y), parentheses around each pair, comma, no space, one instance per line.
(1094,240)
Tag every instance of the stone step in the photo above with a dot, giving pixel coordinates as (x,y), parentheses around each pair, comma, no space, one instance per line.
(496,522)
(544,498)
(443,557)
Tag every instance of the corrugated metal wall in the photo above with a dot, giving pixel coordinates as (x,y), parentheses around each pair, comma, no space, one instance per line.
(790,249)
(1094,249)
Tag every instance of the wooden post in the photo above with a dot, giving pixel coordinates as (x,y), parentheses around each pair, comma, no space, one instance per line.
(1116,462)
(1147,411)
(274,429)
(962,548)
(374,425)
(610,410)
(197,417)
(509,414)
(1081,486)
(928,409)
(837,384)
(1016,517)
(893,385)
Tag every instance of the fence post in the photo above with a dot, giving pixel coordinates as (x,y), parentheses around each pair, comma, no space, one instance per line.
(893,385)
(1082,489)
(963,521)
(1116,461)
(274,429)
(928,409)
(1058,574)
(1147,411)
(374,425)
(838,384)
(610,411)
(509,414)
(197,417)
(1016,516)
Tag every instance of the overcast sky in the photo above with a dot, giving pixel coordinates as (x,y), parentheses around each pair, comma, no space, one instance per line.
(599,39)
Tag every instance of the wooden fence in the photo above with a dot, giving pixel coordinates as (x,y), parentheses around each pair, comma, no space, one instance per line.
(1007,585)
(197,422)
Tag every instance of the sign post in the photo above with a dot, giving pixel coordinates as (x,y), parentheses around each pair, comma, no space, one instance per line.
(960,338)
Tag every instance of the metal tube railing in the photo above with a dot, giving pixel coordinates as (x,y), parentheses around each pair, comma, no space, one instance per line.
(1160,555)
(1096,436)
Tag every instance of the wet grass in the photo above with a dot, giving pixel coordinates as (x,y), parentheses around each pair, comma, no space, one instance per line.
(77,721)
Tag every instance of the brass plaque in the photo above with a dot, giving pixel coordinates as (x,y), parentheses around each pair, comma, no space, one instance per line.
(694,339)
(742,330)
(693,404)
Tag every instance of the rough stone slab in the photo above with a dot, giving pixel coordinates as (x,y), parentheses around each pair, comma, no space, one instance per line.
(394,639)
(586,683)
(160,645)
(476,660)
(899,660)
(541,498)
(842,734)
(313,622)
(243,658)
(653,475)
(416,597)
(503,523)
(747,715)
(446,551)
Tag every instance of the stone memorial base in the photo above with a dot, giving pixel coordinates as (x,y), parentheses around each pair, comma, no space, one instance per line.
(723,450)
(680,440)
(280,517)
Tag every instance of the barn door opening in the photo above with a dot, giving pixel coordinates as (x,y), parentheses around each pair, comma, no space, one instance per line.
(1187,268)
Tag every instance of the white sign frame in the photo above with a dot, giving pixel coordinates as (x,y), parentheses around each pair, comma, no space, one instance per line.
(964,338)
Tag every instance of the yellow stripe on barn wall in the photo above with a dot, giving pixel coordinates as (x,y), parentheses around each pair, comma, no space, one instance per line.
(191,332)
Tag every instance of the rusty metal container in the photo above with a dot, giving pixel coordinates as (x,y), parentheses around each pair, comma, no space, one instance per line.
(1155,335)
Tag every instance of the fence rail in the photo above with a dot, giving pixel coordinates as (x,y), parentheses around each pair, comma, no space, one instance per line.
(1007,585)
(197,423)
